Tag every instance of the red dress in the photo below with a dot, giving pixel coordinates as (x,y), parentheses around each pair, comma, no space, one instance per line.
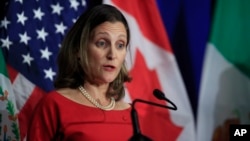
(58,118)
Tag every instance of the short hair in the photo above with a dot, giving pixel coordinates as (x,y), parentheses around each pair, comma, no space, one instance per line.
(72,68)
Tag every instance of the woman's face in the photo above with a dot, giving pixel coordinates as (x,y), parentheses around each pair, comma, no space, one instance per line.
(107,51)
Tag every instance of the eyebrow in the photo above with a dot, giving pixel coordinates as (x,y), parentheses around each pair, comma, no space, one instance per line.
(105,33)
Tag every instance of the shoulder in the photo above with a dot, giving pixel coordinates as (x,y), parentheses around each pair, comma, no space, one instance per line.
(49,99)
(72,95)
(66,92)
(51,96)
(53,99)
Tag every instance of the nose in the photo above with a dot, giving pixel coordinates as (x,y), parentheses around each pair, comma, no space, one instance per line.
(111,53)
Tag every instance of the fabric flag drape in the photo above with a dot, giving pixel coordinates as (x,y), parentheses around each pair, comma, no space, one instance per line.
(188,24)
(152,65)
(225,89)
(30,35)
(9,128)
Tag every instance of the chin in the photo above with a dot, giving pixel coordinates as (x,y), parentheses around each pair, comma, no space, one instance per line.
(109,80)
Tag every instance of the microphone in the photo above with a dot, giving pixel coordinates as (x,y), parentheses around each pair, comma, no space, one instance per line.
(137,135)
(161,96)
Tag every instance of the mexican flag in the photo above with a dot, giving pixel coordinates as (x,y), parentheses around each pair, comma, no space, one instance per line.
(225,89)
(9,130)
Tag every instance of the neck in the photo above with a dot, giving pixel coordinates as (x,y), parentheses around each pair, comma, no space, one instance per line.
(98,92)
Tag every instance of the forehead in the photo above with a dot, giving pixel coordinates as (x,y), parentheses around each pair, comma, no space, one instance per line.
(117,27)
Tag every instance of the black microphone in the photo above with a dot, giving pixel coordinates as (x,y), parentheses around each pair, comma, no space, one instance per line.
(161,96)
(137,135)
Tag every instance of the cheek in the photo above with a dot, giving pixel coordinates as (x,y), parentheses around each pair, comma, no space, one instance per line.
(95,56)
(123,55)
(122,58)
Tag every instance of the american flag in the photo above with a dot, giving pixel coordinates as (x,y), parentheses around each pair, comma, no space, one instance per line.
(30,35)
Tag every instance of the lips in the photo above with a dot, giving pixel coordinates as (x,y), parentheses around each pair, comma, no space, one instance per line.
(109,67)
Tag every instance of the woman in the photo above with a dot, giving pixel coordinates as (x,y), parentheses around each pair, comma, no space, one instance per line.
(87,103)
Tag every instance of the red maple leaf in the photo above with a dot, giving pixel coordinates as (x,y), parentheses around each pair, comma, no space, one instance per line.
(154,121)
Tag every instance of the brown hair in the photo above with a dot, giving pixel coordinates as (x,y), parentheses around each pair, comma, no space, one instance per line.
(72,69)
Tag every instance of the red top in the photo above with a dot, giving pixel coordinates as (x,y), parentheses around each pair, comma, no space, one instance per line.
(58,118)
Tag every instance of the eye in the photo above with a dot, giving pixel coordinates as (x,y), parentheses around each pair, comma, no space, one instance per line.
(121,45)
(101,43)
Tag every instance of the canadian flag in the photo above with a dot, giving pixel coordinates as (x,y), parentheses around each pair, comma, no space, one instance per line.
(152,64)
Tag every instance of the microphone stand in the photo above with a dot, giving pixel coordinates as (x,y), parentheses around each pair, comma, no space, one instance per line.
(137,135)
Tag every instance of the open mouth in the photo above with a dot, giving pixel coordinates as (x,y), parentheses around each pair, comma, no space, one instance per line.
(109,67)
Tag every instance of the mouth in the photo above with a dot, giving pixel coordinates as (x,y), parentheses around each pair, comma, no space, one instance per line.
(109,67)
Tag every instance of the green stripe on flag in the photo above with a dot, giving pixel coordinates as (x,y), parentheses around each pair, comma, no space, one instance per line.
(231,32)
(2,64)
(9,127)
